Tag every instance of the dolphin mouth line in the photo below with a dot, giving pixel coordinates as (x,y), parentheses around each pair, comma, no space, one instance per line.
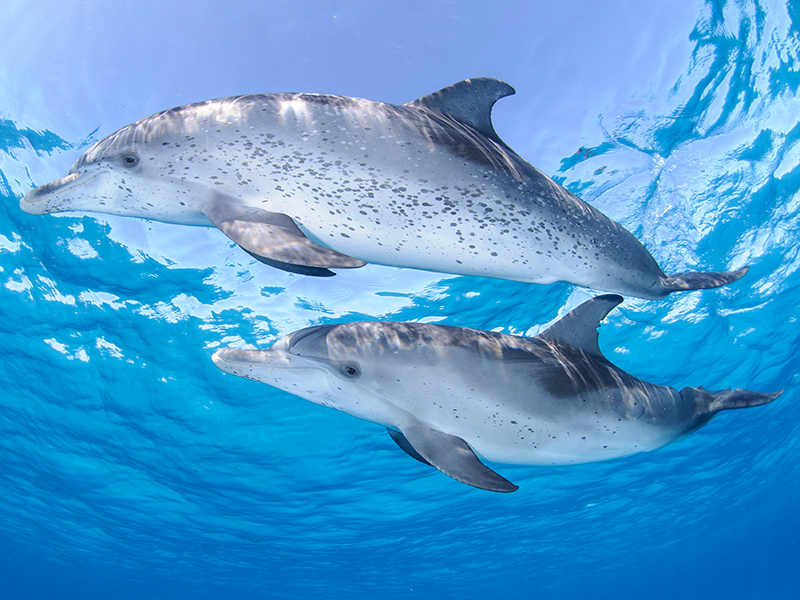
(280,361)
(44,192)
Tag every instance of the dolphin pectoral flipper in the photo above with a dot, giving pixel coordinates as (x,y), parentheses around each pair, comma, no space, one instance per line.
(451,455)
(300,270)
(406,446)
(275,239)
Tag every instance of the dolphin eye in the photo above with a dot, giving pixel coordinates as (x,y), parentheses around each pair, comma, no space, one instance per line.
(351,371)
(129,160)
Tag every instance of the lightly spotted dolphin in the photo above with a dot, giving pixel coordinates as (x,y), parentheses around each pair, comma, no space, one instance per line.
(309,183)
(449,395)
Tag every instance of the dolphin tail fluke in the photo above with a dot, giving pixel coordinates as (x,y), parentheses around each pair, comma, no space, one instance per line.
(714,402)
(699,281)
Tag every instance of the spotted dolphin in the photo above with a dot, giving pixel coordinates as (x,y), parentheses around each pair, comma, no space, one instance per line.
(449,395)
(310,182)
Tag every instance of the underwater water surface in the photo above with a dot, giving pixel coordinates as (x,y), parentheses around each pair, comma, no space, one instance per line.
(131,467)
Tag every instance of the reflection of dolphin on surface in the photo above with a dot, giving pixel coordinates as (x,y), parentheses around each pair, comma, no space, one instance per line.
(449,394)
(306,182)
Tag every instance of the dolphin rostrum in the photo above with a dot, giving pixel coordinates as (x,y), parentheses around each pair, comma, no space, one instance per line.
(449,395)
(309,182)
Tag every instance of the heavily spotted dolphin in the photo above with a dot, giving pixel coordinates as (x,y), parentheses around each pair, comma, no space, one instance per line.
(308,182)
(449,395)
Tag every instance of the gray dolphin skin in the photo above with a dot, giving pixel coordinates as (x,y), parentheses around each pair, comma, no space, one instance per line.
(309,183)
(449,395)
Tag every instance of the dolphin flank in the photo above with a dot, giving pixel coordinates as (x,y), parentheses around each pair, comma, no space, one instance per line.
(449,395)
(310,182)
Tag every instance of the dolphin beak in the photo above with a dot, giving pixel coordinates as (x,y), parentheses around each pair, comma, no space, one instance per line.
(238,362)
(37,201)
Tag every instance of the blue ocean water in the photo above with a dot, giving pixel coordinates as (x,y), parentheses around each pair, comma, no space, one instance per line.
(130,467)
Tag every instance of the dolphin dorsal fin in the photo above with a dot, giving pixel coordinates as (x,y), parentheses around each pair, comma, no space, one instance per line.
(469,102)
(579,327)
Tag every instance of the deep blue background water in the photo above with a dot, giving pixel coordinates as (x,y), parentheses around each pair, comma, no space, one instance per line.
(130,467)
